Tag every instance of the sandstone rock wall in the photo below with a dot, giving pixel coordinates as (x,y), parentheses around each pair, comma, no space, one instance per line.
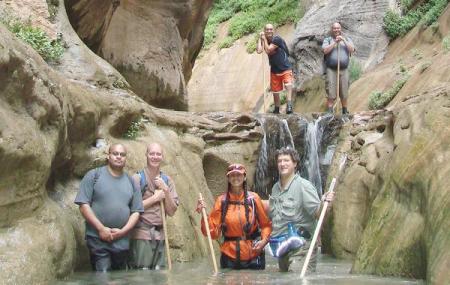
(152,43)
(391,207)
(51,120)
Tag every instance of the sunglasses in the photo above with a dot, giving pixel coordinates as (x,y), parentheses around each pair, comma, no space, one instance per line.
(116,153)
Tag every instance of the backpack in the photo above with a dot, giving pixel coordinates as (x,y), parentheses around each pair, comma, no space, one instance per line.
(143,180)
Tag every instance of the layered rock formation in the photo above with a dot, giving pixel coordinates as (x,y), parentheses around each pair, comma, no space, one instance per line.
(51,121)
(391,209)
(153,44)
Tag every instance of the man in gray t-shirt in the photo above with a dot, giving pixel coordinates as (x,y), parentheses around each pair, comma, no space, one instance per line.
(337,48)
(295,201)
(111,206)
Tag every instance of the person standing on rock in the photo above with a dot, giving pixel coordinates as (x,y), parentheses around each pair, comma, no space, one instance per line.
(280,67)
(148,237)
(111,206)
(294,203)
(239,216)
(330,49)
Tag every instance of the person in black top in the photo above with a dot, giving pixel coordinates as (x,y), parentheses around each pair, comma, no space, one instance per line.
(280,67)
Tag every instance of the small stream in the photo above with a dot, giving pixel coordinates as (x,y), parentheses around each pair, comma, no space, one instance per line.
(329,271)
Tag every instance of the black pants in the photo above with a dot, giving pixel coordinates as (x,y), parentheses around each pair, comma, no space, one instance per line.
(257,263)
(106,256)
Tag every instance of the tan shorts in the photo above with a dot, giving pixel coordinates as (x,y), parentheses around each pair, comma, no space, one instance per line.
(332,81)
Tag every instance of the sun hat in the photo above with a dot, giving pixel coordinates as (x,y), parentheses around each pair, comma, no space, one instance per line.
(236,168)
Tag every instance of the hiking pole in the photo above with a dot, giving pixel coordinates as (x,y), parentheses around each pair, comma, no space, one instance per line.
(264,81)
(338,78)
(322,215)
(166,237)
(208,233)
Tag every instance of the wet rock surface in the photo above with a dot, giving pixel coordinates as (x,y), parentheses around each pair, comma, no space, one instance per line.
(152,44)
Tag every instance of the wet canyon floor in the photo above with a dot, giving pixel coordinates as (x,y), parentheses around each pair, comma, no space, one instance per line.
(329,271)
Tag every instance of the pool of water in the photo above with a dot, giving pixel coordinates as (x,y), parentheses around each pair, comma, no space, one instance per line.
(329,271)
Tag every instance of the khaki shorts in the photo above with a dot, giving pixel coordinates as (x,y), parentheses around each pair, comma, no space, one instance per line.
(149,254)
(331,83)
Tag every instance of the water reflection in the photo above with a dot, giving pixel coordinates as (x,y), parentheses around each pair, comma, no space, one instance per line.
(329,271)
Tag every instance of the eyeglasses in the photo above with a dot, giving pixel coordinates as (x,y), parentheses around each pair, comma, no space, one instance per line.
(116,153)
(236,167)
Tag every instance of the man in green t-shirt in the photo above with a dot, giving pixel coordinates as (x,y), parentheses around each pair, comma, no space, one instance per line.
(295,201)
(111,206)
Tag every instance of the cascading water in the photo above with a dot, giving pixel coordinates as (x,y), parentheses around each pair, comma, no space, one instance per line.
(261,166)
(286,135)
(313,141)
(309,138)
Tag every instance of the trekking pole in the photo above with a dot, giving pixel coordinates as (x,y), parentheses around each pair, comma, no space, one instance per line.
(264,81)
(208,233)
(338,78)
(322,215)
(166,236)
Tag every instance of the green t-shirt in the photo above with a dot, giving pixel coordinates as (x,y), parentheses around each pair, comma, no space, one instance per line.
(111,198)
(296,204)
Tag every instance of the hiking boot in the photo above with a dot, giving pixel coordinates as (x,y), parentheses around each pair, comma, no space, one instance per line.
(344,111)
(276,110)
(289,108)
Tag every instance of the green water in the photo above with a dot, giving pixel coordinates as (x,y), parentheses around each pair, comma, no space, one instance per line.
(329,271)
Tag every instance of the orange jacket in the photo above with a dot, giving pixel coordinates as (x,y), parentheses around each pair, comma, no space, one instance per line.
(235,221)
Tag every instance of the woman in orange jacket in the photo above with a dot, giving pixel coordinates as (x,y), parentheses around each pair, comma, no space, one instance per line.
(239,216)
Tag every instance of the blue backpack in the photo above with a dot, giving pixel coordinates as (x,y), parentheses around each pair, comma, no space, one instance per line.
(143,180)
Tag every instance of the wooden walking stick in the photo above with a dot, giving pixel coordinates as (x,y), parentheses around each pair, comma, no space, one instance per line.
(264,81)
(205,218)
(166,236)
(322,215)
(338,78)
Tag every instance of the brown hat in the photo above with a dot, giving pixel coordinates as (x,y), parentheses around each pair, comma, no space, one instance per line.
(236,167)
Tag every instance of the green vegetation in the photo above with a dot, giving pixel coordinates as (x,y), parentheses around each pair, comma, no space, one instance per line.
(133,129)
(425,66)
(446,44)
(53,6)
(406,4)
(247,17)
(417,53)
(378,99)
(118,83)
(50,50)
(355,70)
(427,13)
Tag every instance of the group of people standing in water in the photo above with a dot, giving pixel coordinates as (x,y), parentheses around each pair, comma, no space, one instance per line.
(124,217)
(125,214)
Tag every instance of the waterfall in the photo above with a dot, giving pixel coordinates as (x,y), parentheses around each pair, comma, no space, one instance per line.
(309,138)
(261,166)
(313,139)
(286,134)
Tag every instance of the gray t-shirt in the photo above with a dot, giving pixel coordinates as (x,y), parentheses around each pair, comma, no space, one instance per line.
(331,59)
(111,198)
(296,204)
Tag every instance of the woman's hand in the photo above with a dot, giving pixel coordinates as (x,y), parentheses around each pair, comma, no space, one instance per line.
(200,206)
(259,246)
